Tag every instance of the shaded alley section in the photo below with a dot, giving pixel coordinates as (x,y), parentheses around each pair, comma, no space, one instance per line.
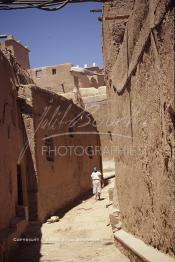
(82,234)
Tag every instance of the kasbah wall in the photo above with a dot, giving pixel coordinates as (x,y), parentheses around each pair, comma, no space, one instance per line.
(138,47)
(34,183)
(16,185)
(64,155)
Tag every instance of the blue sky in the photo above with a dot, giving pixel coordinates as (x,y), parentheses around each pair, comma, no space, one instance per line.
(72,34)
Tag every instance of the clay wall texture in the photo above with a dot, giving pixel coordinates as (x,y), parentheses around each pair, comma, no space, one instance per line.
(67,176)
(13,219)
(85,81)
(145,111)
(99,111)
(18,50)
(95,102)
(60,80)
(52,78)
(9,135)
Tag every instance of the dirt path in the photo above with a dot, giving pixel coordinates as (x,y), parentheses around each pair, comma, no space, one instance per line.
(81,235)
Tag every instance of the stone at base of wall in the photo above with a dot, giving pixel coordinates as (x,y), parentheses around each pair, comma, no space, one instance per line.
(114,218)
(140,249)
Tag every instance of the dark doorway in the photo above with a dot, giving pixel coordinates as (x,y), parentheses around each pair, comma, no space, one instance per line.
(19,185)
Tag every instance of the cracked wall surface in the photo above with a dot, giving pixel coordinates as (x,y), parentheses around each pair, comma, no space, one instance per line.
(141,94)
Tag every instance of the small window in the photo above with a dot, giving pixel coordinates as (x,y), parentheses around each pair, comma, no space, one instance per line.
(63,89)
(54,71)
(19,186)
(76,81)
(39,72)
(90,152)
(110,135)
(71,130)
(114,88)
(49,149)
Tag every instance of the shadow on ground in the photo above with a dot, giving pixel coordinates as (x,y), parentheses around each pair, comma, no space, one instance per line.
(28,249)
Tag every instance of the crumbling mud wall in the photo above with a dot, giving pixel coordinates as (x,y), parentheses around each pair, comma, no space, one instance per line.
(60,80)
(96,80)
(53,78)
(70,169)
(65,140)
(14,175)
(18,50)
(139,60)
(9,134)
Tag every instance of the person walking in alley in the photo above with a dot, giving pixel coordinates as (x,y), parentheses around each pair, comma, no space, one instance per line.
(97,182)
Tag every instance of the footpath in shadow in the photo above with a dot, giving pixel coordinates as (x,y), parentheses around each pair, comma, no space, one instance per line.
(28,249)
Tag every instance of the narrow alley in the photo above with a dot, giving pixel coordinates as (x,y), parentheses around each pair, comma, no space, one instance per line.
(82,234)
(87,111)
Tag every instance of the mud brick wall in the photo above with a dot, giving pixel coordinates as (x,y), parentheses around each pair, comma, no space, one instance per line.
(62,177)
(144,107)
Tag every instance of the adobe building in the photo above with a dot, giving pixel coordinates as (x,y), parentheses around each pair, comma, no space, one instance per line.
(59,79)
(138,49)
(18,50)
(36,177)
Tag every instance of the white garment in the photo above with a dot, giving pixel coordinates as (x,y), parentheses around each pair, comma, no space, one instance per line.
(96,175)
(96,186)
